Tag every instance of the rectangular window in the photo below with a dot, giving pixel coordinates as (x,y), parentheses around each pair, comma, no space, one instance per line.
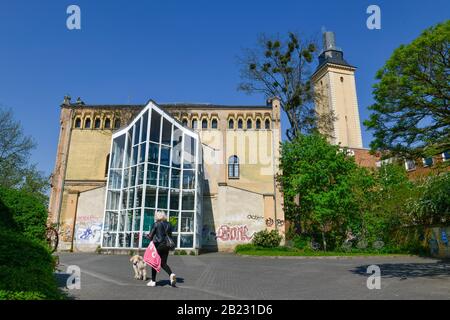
(137,220)
(137,130)
(188,179)
(410,165)
(152,174)
(153,153)
(187,222)
(113,200)
(188,202)
(162,199)
(144,127)
(163,177)
(175,179)
(166,132)
(150,197)
(117,152)
(165,156)
(186,241)
(174,200)
(149,220)
(155,126)
(427,162)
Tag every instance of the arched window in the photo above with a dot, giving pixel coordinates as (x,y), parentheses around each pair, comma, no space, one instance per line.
(184,122)
(249,123)
(240,124)
(117,124)
(214,123)
(107,165)
(267,124)
(204,124)
(107,123)
(258,124)
(233,167)
(194,124)
(77,123)
(231,124)
(87,123)
(97,123)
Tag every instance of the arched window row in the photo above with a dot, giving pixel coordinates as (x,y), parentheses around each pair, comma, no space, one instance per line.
(249,123)
(204,123)
(89,122)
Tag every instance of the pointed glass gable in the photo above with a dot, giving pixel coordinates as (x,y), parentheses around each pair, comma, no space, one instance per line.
(154,165)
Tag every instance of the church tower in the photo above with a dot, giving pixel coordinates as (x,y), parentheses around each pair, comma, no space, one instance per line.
(334,81)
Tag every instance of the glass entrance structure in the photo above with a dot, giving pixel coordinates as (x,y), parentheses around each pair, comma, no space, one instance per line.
(154,166)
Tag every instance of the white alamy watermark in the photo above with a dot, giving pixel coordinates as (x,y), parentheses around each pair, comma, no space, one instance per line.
(374,281)
(73,22)
(74,280)
(374,20)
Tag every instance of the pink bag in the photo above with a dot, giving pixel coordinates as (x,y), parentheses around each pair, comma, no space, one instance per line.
(152,258)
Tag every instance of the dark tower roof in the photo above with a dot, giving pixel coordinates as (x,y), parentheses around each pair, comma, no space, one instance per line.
(331,53)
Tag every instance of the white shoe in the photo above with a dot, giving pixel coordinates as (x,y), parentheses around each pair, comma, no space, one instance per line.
(151,283)
(173,279)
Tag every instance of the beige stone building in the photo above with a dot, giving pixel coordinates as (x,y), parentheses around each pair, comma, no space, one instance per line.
(238,158)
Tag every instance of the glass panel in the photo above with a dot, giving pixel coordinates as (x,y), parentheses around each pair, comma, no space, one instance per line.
(173,219)
(149,220)
(109,239)
(152,173)
(167,132)
(188,200)
(115,176)
(121,240)
(164,177)
(186,241)
(126,178)
(135,155)
(138,202)
(124,198)
(136,239)
(137,129)
(110,221)
(188,179)
(189,152)
(113,200)
(145,241)
(128,240)
(174,199)
(142,153)
(140,174)
(176,147)
(129,222)
(187,222)
(122,220)
(155,126)
(175,178)
(214,124)
(153,153)
(129,146)
(131,198)
(133,177)
(144,127)
(150,197)
(117,152)
(162,198)
(137,220)
(165,156)
(175,239)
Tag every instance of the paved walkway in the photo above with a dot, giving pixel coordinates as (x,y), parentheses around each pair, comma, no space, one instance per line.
(227,276)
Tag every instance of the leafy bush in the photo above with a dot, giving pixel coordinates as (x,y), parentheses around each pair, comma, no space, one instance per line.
(26,268)
(23,212)
(267,239)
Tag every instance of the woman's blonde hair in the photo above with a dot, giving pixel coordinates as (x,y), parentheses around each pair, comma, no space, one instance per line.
(160,216)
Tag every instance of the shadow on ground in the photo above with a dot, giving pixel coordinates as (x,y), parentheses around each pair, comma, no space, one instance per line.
(409,270)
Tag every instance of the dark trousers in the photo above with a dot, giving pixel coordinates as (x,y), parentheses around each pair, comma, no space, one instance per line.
(163,254)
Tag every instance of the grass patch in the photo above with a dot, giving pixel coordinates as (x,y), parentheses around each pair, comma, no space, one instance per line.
(252,250)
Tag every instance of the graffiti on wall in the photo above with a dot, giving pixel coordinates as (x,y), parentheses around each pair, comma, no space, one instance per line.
(270,222)
(439,244)
(65,232)
(88,229)
(254,217)
(233,233)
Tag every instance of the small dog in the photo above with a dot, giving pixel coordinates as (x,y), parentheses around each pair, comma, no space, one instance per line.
(139,267)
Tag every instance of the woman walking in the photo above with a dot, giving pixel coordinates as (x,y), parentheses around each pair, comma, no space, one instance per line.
(159,233)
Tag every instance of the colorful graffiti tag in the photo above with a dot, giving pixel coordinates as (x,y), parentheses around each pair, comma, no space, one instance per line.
(88,229)
(233,233)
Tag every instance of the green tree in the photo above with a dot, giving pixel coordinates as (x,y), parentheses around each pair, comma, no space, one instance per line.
(411,114)
(15,150)
(317,173)
(282,68)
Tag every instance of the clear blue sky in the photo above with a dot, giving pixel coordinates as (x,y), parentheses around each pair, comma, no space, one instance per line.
(174,51)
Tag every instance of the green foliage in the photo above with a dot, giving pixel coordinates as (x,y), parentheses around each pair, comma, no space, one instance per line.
(26,268)
(23,212)
(410,116)
(267,239)
(432,206)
